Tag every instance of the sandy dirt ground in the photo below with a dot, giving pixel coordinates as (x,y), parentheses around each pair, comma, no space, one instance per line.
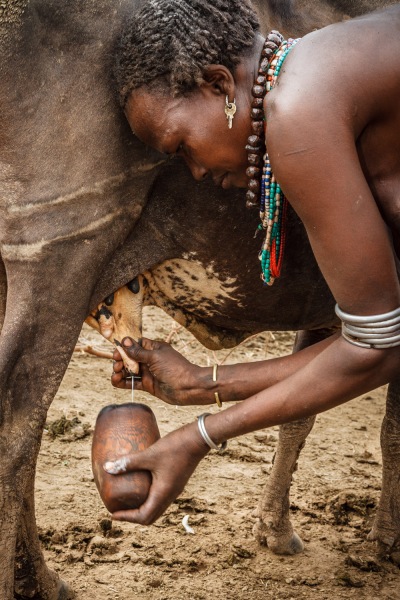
(333,500)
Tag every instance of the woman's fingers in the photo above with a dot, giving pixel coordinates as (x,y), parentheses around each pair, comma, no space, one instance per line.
(171,461)
(135,351)
(158,367)
(160,496)
(147,381)
(118,381)
(118,366)
(148,344)
(156,504)
(123,381)
(136,461)
(119,374)
(131,516)
(129,354)
(116,355)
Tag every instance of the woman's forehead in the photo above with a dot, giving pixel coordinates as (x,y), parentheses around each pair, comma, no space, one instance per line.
(155,116)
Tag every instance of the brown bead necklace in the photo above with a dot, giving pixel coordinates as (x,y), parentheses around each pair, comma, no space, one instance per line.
(256,141)
(262,185)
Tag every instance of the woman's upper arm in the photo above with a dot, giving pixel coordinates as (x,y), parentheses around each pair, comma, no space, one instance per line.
(314,158)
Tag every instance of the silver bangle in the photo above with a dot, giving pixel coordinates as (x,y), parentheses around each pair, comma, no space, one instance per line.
(206,437)
(372,331)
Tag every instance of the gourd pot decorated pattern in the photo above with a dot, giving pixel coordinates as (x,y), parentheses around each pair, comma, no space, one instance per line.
(120,430)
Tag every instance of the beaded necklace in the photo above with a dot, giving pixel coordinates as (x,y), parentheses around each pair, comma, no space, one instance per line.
(262,183)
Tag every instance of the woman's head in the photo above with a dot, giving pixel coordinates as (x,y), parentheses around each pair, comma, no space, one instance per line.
(178,63)
(170,43)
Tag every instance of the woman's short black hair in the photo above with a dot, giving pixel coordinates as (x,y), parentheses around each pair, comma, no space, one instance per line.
(169,43)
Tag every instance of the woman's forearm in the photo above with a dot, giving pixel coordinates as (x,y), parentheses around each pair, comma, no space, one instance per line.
(240,381)
(337,374)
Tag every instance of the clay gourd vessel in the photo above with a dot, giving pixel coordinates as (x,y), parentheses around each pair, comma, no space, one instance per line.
(122,429)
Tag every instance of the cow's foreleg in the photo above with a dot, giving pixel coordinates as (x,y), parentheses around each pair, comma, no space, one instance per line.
(273,527)
(386,528)
(26,394)
(34,353)
(32,576)
(18,449)
(19,445)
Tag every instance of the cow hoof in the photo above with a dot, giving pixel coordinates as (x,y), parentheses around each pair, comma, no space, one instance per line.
(385,541)
(395,557)
(390,553)
(296,544)
(388,546)
(65,592)
(285,544)
(291,545)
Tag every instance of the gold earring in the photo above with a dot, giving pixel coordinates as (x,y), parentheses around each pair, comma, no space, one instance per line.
(230,109)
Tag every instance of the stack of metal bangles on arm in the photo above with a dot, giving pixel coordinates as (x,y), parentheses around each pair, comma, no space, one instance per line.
(373,331)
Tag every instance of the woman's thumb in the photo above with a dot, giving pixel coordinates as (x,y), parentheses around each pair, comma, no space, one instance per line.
(127,463)
(134,350)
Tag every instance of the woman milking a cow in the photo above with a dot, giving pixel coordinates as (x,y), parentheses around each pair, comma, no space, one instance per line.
(314,122)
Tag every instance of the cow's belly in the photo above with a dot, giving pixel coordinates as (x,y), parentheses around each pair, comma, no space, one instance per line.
(200,289)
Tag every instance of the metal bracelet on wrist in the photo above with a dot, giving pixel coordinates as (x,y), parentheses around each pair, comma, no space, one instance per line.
(216,394)
(206,437)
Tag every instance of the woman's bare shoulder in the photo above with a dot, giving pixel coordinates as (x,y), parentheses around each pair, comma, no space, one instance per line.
(347,74)
(336,65)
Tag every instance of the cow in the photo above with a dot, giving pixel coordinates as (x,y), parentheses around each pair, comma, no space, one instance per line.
(86,209)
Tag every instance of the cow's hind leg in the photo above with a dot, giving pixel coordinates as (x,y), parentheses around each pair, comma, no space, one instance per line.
(386,528)
(273,527)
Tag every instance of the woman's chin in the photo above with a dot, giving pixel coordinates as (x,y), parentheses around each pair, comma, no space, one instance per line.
(230,181)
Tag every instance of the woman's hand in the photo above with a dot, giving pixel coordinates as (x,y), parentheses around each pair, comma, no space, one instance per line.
(165,373)
(171,461)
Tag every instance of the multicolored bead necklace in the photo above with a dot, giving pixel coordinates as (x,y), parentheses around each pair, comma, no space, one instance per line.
(262,183)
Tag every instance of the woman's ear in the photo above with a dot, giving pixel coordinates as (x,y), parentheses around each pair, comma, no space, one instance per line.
(220,80)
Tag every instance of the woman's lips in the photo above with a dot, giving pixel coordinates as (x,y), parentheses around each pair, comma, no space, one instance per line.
(221,181)
(218,180)
(226,183)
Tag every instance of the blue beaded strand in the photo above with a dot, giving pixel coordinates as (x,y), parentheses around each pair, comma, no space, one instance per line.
(272,199)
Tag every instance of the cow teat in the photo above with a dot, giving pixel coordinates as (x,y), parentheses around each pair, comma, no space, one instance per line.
(120,315)
(109,300)
(134,286)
